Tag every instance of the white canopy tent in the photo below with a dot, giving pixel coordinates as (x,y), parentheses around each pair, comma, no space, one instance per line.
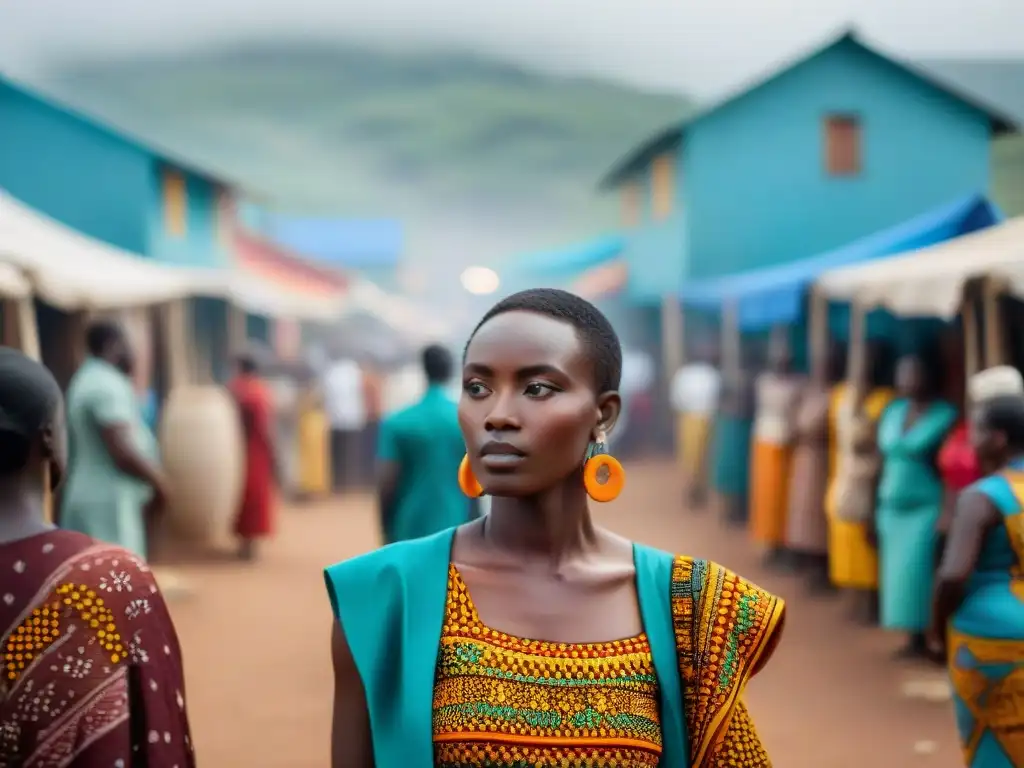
(929,282)
(75,272)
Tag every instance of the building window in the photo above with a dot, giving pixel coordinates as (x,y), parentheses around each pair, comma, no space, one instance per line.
(175,203)
(662,185)
(842,145)
(631,204)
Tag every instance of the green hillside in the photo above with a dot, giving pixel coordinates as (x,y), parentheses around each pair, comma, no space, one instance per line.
(354,131)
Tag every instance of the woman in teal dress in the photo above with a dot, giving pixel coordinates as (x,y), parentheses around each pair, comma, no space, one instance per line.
(636,657)
(910,493)
(979,599)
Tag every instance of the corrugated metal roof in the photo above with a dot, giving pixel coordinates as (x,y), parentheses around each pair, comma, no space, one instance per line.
(1003,121)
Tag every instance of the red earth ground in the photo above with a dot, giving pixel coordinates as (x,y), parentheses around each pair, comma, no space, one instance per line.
(255,638)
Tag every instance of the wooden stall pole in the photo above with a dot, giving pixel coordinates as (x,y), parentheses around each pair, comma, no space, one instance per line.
(995,348)
(671,337)
(818,337)
(731,343)
(238,333)
(27,334)
(857,355)
(177,344)
(969,318)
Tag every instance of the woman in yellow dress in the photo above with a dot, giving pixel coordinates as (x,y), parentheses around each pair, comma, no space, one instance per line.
(778,396)
(853,559)
(314,449)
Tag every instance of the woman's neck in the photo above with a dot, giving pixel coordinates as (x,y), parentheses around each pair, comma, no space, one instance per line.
(551,526)
(21,510)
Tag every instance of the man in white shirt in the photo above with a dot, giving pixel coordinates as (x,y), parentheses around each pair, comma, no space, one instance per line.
(345,403)
(694,393)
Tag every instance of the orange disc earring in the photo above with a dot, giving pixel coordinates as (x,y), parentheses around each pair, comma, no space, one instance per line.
(467,480)
(603,475)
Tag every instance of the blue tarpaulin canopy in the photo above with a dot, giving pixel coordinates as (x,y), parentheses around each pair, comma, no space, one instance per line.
(775,295)
(565,262)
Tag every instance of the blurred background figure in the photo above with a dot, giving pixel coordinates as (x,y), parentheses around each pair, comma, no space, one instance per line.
(255,518)
(373,399)
(345,400)
(282,383)
(418,459)
(694,395)
(115,484)
(633,431)
(314,439)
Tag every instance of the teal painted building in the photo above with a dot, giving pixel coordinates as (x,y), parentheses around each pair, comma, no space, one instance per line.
(841,143)
(109,185)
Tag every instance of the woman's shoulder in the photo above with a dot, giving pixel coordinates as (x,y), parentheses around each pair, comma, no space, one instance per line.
(708,581)
(999,489)
(386,569)
(727,627)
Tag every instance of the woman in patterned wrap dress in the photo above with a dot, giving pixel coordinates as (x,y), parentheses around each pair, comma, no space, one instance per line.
(533,636)
(92,674)
(978,611)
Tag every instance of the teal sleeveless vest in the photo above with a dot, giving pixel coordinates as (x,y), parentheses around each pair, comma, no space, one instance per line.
(391,603)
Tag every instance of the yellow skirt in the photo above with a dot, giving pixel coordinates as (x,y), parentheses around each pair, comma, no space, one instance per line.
(692,432)
(314,476)
(769,497)
(853,562)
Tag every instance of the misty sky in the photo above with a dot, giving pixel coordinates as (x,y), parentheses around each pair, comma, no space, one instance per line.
(697,46)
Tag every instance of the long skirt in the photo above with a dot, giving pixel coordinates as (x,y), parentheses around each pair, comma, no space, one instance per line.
(986,668)
(769,479)
(806,527)
(692,433)
(853,562)
(314,449)
(907,543)
(732,456)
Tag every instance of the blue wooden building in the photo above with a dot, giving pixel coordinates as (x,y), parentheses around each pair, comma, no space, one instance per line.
(107,184)
(842,143)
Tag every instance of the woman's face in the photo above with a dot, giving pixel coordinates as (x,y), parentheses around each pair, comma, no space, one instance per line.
(529,409)
(910,377)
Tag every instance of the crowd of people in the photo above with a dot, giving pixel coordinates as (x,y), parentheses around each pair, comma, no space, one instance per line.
(902,490)
(528,635)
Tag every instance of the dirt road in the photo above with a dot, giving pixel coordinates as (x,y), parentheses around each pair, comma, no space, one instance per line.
(259,688)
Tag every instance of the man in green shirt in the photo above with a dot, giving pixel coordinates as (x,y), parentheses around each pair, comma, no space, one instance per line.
(418,456)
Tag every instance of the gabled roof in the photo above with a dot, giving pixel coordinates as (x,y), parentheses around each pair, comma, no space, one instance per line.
(671,136)
(161,153)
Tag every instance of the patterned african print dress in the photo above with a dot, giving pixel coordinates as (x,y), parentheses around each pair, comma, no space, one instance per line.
(92,673)
(986,636)
(670,697)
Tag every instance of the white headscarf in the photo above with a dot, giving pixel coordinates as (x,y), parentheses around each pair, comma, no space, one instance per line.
(995,382)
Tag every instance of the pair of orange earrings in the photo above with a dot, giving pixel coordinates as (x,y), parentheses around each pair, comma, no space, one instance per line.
(603,475)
